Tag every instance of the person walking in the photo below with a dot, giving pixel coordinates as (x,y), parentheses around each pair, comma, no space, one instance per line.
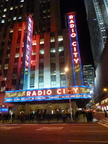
(105,113)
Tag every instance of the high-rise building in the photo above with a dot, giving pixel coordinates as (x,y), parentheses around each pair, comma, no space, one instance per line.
(34,53)
(89,75)
(97,17)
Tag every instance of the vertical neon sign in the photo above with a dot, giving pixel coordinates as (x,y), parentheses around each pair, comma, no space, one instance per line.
(74,47)
(27,52)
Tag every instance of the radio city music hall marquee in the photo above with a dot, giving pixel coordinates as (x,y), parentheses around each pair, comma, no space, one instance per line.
(47,94)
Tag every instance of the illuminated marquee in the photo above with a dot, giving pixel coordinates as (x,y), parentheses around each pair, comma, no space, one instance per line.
(76,61)
(47,94)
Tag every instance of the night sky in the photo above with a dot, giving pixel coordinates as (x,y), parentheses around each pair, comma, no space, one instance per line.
(82,27)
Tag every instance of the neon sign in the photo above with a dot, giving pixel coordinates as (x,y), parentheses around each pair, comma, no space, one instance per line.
(47,94)
(76,61)
(27,51)
(29,41)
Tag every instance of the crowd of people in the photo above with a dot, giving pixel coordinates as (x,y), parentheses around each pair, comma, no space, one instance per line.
(42,116)
(5,117)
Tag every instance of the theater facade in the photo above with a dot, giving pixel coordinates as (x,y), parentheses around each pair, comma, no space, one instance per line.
(36,79)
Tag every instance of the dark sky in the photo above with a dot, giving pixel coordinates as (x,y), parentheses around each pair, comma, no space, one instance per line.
(82,27)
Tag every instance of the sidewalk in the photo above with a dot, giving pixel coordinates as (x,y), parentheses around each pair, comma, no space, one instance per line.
(81,119)
(104,122)
(97,116)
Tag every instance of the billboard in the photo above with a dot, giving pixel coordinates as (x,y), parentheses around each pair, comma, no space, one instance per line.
(59,93)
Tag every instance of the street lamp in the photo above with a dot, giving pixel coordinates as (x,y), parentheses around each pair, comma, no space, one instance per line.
(67,83)
(105,89)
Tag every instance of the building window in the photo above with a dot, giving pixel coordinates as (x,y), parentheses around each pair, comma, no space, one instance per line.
(4,15)
(62,65)
(41,68)
(5,10)
(53,80)
(20,17)
(41,41)
(60,38)
(41,79)
(14,82)
(61,49)
(16,60)
(21,5)
(31,82)
(52,39)
(14,18)
(63,80)
(11,8)
(16,7)
(53,68)
(2,21)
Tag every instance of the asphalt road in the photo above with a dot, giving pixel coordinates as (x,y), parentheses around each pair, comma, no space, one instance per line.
(75,133)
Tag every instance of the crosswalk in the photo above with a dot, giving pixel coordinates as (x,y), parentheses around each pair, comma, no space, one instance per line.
(104,122)
(9,127)
(50,128)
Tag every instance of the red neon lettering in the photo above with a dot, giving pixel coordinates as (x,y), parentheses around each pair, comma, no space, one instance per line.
(76,60)
(39,92)
(34,93)
(74,43)
(75,49)
(28,93)
(64,91)
(28,33)
(44,92)
(30,20)
(28,38)
(71,25)
(75,90)
(72,21)
(71,17)
(27,57)
(26,63)
(29,27)
(75,54)
(72,30)
(73,35)
(49,92)
(59,91)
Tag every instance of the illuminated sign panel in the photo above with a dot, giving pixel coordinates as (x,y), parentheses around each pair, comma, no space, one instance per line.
(27,51)
(74,46)
(47,94)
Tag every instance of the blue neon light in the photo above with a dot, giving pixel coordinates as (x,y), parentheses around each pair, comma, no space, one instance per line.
(3,109)
(22,96)
(52,97)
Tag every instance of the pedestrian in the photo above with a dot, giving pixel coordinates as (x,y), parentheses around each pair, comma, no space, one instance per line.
(13,116)
(89,116)
(3,118)
(76,115)
(105,113)
(64,117)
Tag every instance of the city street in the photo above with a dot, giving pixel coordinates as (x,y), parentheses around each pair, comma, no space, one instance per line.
(64,133)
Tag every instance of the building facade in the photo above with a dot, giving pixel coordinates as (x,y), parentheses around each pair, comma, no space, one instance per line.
(89,75)
(32,64)
(97,16)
